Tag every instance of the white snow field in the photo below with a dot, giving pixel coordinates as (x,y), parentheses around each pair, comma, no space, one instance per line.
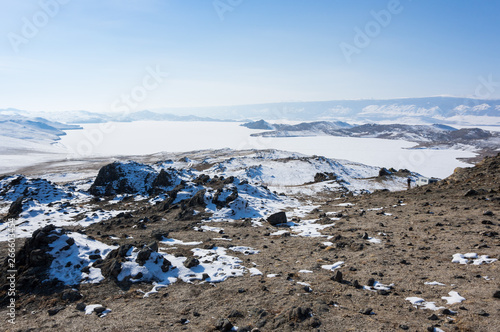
(148,137)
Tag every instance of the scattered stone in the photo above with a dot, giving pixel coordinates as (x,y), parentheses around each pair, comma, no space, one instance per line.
(55,310)
(496,295)
(71,295)
(235,313)
(299,313)
(483,313)
(488,213)
(433,317)
(81,306)
(471,192)
(315,322)
(367,311)
(404,327)
(143,256)
(191,262)
(447,312)
(338,276)
(224,325)
(159,234)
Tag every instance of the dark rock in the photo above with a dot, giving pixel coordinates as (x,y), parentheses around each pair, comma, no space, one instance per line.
(71,295)
(39,257)
(365,236)
(235,313)
(166,265)
(367,311)
(447,312)
(277,218)
(371,282)
(191,262)
(337,276)
(383,172)
(299,313)
(55,310)
(99,309)
(320,177)
(143,256)
(383,292)
(198,199)
(433,317)
(163,179)
(16,208)
(138,276)
(159,234)
(404,327)
(488,213)
(224,325)
(356,284)
(483,313)
(81,306)
(496,295)
(471,192)
(153,246)
(315,322)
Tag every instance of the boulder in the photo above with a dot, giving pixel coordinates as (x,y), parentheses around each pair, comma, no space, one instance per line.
(277,218)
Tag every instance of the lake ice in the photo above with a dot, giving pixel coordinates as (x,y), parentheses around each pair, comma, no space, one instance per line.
(147,137)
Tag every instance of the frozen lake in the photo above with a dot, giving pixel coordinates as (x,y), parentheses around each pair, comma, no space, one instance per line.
(147,137)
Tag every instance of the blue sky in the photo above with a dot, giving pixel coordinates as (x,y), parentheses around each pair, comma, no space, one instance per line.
(87,54)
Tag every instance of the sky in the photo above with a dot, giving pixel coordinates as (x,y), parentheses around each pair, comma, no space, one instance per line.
(104,55)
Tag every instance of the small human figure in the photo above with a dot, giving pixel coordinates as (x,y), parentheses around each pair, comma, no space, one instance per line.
(409,183)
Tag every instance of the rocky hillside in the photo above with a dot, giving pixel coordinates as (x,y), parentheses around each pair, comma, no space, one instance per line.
(207,244)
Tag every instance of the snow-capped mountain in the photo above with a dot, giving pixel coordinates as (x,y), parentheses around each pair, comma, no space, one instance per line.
(451,110)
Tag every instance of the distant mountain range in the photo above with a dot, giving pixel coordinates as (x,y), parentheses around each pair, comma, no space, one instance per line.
(82,117)
(428,110)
